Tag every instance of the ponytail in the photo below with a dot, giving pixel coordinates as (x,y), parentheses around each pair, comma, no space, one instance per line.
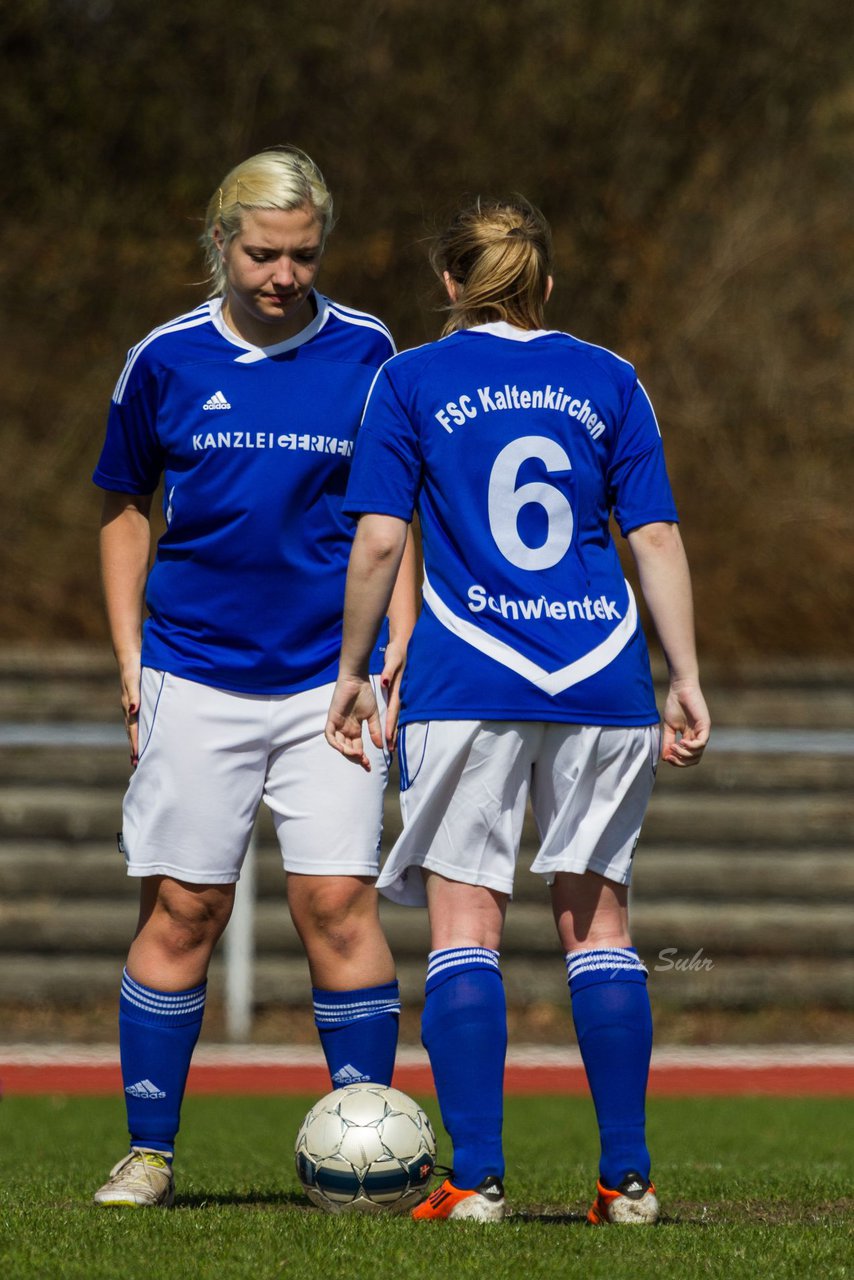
(499,255)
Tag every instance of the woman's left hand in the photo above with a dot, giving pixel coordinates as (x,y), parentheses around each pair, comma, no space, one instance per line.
(392,673)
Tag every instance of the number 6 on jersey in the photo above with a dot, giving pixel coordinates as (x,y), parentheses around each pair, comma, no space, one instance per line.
(506,502)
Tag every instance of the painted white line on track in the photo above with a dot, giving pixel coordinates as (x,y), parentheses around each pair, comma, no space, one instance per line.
(742,1056)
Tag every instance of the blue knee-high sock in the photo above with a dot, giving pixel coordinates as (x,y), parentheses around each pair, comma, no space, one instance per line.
(158,1031)
(464,1030)
(358,1032)
(613,1022)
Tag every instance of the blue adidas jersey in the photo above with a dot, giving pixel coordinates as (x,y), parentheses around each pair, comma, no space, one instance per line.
(254,446)
(516,447)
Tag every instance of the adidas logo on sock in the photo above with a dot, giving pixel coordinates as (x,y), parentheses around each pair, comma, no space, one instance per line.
(348,1075)
(145,1089)
(217,401)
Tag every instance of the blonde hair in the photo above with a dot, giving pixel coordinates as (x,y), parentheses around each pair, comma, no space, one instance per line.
(279,178)
(499,255)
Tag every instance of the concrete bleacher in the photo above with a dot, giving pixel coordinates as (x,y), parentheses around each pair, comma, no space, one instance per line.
(744,877)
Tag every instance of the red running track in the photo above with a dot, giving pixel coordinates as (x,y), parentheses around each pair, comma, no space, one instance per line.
(783,1080)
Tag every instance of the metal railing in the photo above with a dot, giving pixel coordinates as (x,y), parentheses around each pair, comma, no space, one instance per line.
(239,940)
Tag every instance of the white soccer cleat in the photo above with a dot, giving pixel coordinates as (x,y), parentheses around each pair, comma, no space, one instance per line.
(142,1179)
(632,1203)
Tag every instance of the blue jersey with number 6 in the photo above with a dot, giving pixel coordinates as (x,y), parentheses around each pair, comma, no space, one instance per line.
(515,447)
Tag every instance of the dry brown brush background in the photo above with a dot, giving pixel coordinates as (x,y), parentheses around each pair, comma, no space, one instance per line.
(694,158)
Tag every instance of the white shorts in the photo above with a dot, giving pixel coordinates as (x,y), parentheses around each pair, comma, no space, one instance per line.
(465,784)
(208,757)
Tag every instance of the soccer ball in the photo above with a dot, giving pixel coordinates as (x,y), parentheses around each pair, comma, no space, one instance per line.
(364,1149)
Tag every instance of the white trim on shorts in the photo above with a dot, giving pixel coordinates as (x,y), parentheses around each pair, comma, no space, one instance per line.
(464,789)
(207,759)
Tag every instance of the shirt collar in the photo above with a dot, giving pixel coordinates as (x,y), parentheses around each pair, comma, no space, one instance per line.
(253,353)
(501,329)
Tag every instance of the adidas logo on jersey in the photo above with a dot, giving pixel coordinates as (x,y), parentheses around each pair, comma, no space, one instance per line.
(348,1075)
(217,401)
(145,1089)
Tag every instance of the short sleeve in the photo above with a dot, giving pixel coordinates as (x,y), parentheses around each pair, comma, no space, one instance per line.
(638,485)
(386,473)
(132,458)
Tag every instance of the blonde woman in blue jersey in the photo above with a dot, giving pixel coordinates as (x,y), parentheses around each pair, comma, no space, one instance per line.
(246,409)
(527,674)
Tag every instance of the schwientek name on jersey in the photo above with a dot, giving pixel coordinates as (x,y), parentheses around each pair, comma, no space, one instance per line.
(495,399)
(533,608)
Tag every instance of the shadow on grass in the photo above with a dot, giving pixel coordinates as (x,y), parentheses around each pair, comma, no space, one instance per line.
(292,1200)
(682,1214)
(555,1216)
(254,1199)
(564,1217)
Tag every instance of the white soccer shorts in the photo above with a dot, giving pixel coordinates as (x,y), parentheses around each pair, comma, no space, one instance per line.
(208,757)
(465,784)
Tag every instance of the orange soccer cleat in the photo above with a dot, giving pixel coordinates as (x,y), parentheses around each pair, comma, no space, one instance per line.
(484,1204)
(633,1203)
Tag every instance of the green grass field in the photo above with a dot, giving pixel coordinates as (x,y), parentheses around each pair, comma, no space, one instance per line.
(749,1187)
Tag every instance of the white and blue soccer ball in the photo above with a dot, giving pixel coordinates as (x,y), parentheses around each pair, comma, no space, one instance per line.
(366,1148)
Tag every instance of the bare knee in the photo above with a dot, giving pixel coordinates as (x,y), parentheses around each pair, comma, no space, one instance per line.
(182,918)
(464,915)
(335,913)
(590,911)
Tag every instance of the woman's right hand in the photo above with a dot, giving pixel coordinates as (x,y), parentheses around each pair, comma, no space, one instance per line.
(125,541)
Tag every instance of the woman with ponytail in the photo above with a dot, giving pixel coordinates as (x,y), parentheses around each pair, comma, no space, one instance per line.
(527,675)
